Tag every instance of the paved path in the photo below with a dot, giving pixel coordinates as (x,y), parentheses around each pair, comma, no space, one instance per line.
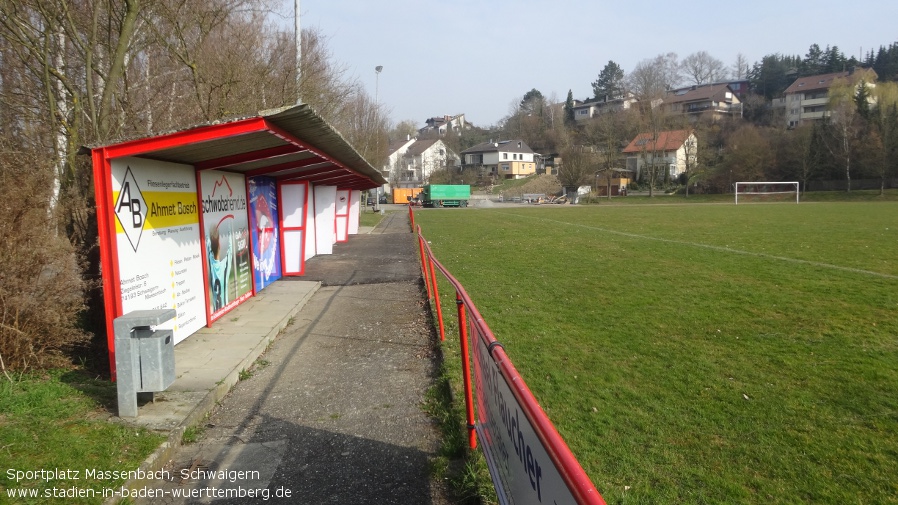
(332,412)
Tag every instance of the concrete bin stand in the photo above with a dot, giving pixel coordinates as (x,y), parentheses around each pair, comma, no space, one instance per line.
(144,358)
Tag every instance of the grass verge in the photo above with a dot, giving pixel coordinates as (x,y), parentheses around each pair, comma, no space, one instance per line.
(57,422)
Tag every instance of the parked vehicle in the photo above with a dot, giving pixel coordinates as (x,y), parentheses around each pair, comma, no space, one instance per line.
(445,195)
(405,195)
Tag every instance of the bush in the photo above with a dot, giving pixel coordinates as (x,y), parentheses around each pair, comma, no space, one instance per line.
(41,289)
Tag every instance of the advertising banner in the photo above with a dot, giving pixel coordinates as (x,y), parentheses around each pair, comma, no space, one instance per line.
(520,467)
(325,217)
(225,222)
(294,203)
(157,237)
(341,216)
(263,204)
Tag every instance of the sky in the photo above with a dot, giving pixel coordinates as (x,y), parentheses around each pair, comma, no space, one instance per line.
(479,57)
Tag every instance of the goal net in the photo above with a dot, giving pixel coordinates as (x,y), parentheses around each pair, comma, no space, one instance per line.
(766,192)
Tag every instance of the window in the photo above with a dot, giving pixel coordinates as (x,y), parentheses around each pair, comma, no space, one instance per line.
(504,156)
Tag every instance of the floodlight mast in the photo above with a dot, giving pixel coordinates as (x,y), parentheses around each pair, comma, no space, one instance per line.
(297,35)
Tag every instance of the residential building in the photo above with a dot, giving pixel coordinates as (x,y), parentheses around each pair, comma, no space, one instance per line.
(592,108)
(807,99)
(396,150)
(669,153)
(410,163)
(508,159)
(716,101)
(442,125)
(739,87)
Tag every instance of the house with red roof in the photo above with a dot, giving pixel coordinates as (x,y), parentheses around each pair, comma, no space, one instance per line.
(668,152)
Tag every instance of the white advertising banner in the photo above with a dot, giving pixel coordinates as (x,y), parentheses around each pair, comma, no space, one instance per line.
(226,224)
(325,218)
(293,225)
(354,209)
(157,237)
(519,465)
(341,219)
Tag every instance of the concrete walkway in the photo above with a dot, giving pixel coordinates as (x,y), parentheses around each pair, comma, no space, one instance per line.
(310,392)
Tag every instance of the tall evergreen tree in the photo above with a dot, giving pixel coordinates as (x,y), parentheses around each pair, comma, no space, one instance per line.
(813,61)
(610,82)
(833,60)
(862,100)
(569,119)
(773,74)
(533,102)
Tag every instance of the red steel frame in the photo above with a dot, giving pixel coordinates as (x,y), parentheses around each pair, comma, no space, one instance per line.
(284,229)
(102,171)
(574,477)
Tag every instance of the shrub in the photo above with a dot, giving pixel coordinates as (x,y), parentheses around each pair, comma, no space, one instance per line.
(41,290)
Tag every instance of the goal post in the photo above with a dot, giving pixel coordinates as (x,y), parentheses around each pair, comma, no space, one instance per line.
(766,188)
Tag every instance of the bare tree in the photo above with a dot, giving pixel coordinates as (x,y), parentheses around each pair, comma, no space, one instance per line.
(740,67)
(80,72)
(702,68)
(844,123)
(607,134)
(885,127)
(652,78)
(650,82)
(578,168)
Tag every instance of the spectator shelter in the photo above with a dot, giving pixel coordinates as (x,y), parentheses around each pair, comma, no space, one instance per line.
(200,220)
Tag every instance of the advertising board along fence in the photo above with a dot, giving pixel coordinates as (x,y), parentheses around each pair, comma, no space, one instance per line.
(528,460)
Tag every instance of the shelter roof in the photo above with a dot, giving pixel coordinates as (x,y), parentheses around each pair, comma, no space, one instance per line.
(290,143)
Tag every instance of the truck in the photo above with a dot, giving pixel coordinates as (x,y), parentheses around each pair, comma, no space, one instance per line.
(445,195)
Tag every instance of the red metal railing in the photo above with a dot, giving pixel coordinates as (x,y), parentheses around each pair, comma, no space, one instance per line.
(578,483)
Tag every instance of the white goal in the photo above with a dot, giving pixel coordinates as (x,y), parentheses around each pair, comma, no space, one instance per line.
(765,191)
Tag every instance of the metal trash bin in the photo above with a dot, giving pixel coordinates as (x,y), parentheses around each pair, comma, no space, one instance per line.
(156,357)
(144,357)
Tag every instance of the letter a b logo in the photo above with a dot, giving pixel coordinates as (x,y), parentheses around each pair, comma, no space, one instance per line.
(132,204)
(130,209)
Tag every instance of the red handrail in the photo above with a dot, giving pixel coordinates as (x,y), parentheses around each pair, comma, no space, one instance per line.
(578,483)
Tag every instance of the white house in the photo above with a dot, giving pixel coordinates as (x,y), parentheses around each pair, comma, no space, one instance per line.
(411,162)
(670,152)
(444,124)
(508,159)
(592,108)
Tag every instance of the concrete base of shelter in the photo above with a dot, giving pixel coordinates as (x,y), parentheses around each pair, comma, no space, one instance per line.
(209,362)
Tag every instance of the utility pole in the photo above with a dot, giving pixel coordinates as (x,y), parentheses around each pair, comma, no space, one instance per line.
(297,34)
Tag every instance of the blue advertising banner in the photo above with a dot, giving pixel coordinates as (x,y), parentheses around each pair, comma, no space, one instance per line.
(264,225)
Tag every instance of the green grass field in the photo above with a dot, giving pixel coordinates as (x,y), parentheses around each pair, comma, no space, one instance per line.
(699,353)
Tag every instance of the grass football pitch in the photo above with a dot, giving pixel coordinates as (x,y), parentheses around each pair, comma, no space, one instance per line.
(698,353)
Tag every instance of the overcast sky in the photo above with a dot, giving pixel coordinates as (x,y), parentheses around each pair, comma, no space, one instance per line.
(478,57)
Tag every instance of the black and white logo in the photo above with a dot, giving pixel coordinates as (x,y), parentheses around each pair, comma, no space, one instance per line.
(131,209)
